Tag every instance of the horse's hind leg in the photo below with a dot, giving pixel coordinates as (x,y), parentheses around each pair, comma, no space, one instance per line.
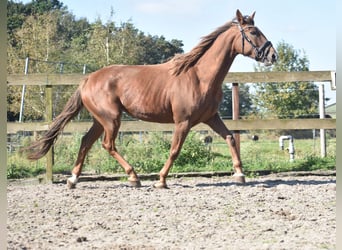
(218,126)
(111,132)
(87,141)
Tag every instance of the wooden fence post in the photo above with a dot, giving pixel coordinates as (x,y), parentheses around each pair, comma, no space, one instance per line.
(48,119)
(236,112)
(322,116)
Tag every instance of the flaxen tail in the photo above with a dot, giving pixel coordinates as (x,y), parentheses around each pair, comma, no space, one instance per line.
(39,148)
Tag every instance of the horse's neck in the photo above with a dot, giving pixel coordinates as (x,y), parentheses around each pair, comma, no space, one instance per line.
(215,63)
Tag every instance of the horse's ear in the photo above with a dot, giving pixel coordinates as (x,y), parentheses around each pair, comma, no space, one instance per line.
(252,16)
(239,16)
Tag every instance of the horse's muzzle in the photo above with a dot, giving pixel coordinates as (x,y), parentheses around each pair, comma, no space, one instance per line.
(270,56)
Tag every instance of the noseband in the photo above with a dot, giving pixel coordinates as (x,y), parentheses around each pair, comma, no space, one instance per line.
(260,52)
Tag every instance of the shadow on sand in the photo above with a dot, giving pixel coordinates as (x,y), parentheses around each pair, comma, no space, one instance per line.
(269,183)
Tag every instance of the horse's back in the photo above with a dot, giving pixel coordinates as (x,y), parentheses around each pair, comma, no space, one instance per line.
(141,90)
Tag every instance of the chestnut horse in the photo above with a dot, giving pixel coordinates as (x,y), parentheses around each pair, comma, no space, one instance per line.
(186,90)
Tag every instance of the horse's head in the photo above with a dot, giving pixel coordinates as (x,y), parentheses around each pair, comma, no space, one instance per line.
(253,42)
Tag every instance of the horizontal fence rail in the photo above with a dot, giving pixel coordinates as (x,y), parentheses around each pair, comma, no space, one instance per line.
(232,77)
(266,77)
(136,126)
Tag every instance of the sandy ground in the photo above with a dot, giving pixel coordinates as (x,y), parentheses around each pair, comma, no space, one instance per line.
(270,212)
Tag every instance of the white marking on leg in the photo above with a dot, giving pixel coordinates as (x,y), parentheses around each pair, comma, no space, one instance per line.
(238,174)
(73,179)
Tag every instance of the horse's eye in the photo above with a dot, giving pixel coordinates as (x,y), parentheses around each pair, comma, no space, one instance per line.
(254,33)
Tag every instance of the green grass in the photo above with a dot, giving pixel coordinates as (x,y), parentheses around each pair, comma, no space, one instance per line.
(148,152)
(266,155)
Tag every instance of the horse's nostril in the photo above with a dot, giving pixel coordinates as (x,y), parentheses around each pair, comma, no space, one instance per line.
(274,57)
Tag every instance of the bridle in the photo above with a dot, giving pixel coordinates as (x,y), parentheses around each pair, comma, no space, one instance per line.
(260,52)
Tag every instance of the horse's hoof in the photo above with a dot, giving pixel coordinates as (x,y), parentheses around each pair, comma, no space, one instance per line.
(136,184)
(70,184)
(160,185)
(240,178)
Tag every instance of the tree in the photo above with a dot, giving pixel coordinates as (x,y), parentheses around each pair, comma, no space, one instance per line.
(289,99)
(157,49)
(17,12)
(126,47)
(245,104)
(57,42)
(45,6)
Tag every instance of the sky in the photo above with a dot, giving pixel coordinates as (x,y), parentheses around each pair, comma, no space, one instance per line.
(309,26)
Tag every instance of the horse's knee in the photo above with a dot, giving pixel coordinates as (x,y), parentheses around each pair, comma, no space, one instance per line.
(231,141)
(108,146)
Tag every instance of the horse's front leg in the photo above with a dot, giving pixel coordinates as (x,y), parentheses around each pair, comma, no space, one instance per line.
(87,141)
(218,126)
(181,131)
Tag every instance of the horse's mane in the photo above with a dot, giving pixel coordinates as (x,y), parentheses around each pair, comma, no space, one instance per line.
(182,62)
